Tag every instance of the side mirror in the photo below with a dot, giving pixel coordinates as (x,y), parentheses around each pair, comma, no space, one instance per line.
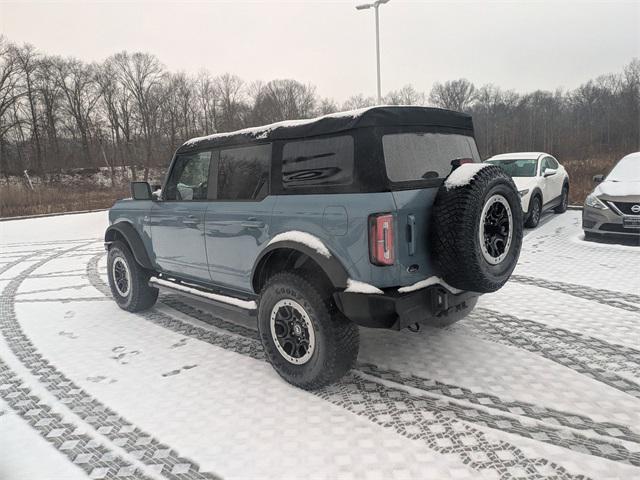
(549,171)
(140,191)
(598,178)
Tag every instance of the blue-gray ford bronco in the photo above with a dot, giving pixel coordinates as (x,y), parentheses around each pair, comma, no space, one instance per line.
(381,217)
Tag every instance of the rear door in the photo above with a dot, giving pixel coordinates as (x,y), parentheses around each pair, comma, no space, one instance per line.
(237,221)
(177,221)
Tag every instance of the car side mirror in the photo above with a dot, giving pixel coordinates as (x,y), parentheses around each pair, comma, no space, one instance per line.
(140,191)
(549,171)
(598,178)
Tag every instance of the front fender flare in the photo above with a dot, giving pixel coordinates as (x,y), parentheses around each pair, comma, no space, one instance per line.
(330,265)
(133,240)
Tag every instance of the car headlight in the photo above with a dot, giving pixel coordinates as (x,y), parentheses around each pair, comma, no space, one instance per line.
(595,202)
(523,192)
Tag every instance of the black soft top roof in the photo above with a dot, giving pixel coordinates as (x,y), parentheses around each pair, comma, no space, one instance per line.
(383,116)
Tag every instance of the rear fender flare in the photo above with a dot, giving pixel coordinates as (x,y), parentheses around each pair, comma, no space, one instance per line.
(331,266)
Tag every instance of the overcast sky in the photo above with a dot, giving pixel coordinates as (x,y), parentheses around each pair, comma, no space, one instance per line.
(517,44)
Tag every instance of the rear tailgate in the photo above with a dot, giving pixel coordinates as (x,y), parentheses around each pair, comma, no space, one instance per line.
(413,219)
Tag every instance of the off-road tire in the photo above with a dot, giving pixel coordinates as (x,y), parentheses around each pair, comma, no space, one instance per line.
(455,225)
(336,337)
(451,317)
(533,218)
(564,200)
(140,296)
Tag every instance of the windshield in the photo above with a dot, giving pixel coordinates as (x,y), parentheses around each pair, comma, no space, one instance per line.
(517,168)
(627,170)
(419,156)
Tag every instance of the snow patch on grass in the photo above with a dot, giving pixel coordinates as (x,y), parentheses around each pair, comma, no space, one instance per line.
(463,175)
(305,239)
(355,286)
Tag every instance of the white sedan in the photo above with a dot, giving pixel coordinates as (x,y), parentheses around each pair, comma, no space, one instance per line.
(542,182)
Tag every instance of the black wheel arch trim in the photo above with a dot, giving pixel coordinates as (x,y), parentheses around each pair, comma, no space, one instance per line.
(331,266)
(536,192)
(133,240)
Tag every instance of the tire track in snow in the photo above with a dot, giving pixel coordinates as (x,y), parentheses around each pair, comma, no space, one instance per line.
(576,442)
(148,450)
(599,295)
(572,350)
(79,448)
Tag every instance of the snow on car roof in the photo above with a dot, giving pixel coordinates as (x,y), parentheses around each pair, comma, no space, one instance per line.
(634,155)
(384,115)
(517,156)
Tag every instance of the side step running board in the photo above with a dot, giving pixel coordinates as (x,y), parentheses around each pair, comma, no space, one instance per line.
(193,291)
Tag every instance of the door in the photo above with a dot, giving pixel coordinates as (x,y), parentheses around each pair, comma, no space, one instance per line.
(553,183)
(177,221)
(237,221)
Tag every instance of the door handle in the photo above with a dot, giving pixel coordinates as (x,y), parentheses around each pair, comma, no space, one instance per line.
(252,222)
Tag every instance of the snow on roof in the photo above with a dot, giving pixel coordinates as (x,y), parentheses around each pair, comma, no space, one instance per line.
(263,131)
(634,155)
(463,175)
(376,116)
(518,156)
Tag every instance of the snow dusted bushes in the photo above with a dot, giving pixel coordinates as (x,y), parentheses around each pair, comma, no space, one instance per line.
(18,200)
(69,190)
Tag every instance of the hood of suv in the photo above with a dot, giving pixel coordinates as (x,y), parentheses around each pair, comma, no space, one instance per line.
(620,191)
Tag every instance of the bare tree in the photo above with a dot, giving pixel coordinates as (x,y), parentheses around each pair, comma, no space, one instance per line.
(81,91)
(141,74)
(10,94)
(358,101)
(231,94)
(455,94)
(27,58)
(407,95)
(283,99)
(206,94)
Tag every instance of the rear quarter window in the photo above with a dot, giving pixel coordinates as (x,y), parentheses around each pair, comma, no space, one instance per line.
(318,162)
(420,156)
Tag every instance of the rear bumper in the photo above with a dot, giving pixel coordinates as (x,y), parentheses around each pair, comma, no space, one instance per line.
(395,310)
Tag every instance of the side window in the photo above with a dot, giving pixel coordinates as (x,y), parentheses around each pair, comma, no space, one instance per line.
(243,173)
(548,162)
(318,162)
(189,177)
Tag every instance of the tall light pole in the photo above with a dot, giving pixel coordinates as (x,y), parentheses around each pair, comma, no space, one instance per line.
(375,6)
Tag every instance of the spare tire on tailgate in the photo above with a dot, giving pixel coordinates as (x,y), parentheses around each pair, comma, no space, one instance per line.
(477,228)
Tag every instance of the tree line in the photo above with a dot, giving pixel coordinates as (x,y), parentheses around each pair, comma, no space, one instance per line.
(59,113)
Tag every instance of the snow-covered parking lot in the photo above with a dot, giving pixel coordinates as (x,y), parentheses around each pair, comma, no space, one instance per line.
(541,381)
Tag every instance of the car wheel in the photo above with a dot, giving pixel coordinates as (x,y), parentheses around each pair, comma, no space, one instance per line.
(564,201)
(535,210)
(305,338)
(129,282)
(478,231)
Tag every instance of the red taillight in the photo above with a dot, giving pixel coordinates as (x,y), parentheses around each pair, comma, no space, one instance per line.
(381,239)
